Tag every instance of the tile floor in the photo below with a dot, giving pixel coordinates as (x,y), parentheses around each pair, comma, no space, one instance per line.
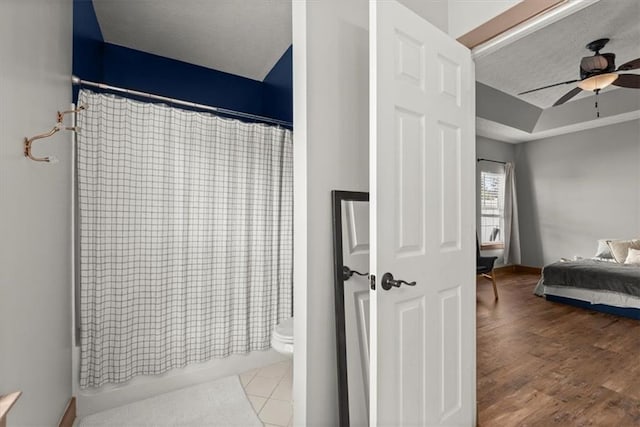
(269,391)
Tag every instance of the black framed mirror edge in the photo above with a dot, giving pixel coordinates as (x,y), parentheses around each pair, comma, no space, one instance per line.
(337,197)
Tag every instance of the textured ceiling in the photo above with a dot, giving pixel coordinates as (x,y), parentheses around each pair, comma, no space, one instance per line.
(245,37)
(553,54)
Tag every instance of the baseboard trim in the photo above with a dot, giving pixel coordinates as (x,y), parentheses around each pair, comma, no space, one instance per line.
(69,415)
(510,269)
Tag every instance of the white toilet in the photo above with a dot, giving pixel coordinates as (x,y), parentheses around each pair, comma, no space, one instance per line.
(282,337)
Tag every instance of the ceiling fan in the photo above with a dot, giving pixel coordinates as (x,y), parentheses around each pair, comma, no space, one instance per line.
(597,72)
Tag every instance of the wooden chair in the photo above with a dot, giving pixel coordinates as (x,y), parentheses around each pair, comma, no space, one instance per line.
(6,402)
(484,267)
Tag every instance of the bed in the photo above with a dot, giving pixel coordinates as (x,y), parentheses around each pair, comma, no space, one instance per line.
(600,284)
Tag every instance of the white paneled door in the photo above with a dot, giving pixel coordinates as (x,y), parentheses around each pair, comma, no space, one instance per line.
(422,223)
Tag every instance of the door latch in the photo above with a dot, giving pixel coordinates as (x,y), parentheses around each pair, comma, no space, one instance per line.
(372,280)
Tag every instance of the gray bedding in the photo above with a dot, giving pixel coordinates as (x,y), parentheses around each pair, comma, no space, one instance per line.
(593,275)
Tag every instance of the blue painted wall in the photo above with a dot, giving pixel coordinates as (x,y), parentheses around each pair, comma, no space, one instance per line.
(87,43)
(278,86)
(95,60)
(156,74)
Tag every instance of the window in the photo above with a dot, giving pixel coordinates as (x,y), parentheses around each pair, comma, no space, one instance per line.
(492,209)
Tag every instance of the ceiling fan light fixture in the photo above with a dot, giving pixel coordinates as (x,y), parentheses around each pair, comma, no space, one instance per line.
(598,82)
(594,63)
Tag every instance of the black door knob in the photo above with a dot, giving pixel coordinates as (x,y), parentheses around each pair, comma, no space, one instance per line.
(389,282)
(347,273)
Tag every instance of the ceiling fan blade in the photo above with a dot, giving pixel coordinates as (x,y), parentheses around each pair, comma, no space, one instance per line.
(628,80)
(567,96)
(631,65)
(545,87)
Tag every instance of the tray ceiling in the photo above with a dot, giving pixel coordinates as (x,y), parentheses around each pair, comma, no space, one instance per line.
(553,54)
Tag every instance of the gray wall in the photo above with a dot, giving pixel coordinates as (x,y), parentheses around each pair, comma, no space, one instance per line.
(434,11)
(494,150)
(574,189)
(331,146)
(35,210)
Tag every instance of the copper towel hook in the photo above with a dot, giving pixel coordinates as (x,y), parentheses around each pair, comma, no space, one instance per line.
(58,127)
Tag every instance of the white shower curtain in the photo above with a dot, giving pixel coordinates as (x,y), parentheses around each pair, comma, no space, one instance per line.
(512,229)
(185,237)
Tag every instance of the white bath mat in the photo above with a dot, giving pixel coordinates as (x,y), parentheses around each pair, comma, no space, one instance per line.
(217,403)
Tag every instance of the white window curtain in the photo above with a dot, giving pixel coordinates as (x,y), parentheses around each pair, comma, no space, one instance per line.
(511,226)
(185,237)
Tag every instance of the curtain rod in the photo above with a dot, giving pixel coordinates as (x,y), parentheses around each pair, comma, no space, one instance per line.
(79,82)
(492,161)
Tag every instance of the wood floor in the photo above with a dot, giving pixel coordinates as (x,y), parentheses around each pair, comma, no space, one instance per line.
(547,364)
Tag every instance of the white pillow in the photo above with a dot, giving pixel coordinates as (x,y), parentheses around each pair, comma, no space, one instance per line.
(620,248)
(633,257)
(604,251)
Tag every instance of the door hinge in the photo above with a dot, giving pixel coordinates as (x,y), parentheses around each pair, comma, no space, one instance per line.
(372,280)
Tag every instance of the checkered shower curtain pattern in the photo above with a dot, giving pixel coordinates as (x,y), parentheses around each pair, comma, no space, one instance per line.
(186,237)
